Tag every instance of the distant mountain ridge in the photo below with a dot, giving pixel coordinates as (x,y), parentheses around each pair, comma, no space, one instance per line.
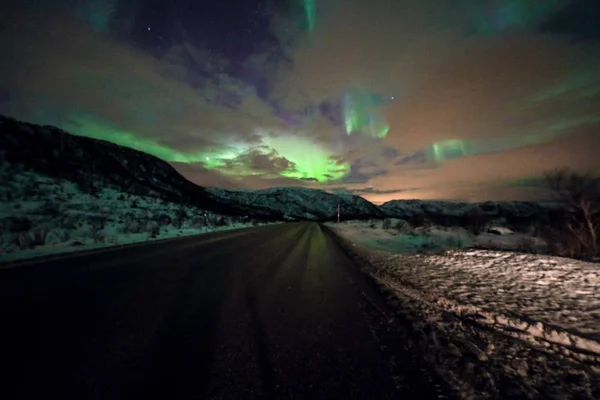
(96,164)
(448,213)
(301,203)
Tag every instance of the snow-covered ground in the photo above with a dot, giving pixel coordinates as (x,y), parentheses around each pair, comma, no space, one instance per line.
(41,216)
(398,236)
(531,316)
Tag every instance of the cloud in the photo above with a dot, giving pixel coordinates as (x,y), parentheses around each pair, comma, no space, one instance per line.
(60,67)
(481,95)
(256,162)
(484,177)
(475,95)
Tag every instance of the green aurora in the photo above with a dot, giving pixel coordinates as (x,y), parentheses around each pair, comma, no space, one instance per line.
(509,14)
(361,115)
(458,148)
(308,161)
(311,160)
(310,14)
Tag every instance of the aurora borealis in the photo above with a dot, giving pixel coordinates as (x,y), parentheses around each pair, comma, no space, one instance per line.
(454,99)
(361,114)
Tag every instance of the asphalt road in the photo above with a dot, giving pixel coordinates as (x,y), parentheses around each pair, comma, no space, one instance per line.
(277,312)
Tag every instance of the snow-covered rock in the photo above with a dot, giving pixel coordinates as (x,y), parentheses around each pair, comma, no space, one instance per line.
(499,230)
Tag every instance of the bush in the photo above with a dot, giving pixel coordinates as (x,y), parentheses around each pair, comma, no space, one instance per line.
(56,236)
(50,208)
(403,227)
(219,221)
(562,243)
(68,221)
(520,224)
(526,245)
(417,219)
(98,235)
(474,221)
(133,226)
(163,219)
(453,243)
(197,222)
(180,216)
(579,193)
(32,238)
(98,222)
(386,224)
(153,228)
(17,224)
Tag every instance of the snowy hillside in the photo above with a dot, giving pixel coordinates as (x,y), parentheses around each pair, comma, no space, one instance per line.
(63,193)
(95,164)
(498,324)
(40,215)
(300,203)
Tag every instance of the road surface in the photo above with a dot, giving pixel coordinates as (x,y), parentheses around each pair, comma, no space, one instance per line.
(273,312)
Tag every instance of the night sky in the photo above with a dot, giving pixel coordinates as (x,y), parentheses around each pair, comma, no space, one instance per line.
(389,99)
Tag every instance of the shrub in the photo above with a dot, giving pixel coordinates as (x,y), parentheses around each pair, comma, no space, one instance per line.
(526,245)
(474,221)
(579,193)
(32,238)
(50,208)
(417,219)
(521,224)
(133,226)
(180,216)
(57,236)
(453,243)
(98,235)
(18,224)
(153,228)
(163,219)
(386,224)
(68,221)
(403,227)
(219,221)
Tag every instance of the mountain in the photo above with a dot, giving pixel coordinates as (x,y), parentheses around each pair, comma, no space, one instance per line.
(514,213)
(96,164)
(292,203)
(409,208)
(60,192)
